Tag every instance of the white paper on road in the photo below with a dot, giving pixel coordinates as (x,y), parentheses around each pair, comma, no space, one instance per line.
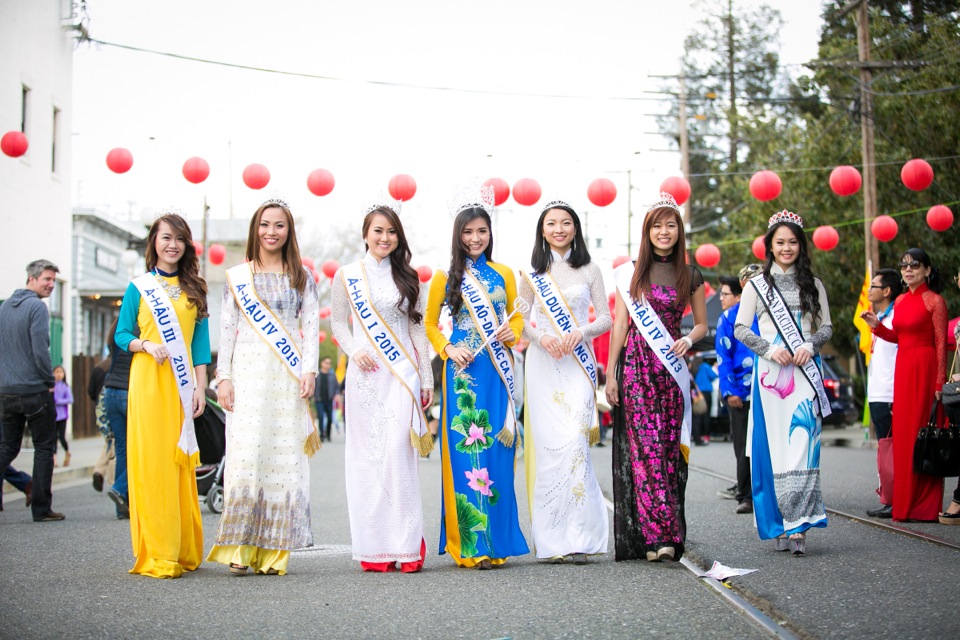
(722,572)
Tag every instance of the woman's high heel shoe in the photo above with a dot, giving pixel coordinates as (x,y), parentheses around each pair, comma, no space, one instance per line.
(780,543)
(798,544)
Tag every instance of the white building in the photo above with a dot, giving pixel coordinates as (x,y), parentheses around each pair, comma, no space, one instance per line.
(36,70)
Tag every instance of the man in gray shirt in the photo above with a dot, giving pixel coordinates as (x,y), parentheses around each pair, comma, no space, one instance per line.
(26,382)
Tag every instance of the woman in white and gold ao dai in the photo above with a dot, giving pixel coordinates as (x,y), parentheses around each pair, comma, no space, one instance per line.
(567,508)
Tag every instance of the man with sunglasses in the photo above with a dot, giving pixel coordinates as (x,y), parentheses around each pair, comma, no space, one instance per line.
(884,289)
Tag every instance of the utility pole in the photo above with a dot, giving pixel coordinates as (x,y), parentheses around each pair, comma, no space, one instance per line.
(629,213)
(870,244)
(203,238)
(684,141)
(732,117)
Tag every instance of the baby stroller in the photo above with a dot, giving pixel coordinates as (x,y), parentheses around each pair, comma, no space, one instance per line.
(211,438)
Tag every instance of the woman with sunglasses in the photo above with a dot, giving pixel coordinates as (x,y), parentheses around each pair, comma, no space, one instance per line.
(920,331)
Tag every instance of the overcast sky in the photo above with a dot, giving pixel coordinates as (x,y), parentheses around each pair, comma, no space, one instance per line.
(165,110)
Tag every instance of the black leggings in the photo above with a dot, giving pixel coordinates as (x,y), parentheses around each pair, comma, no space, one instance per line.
(62,434)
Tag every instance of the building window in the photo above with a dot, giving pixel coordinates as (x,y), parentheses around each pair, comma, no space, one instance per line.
(24,107)
(56,136)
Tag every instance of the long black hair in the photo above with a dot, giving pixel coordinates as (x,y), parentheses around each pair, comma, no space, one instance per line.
(404,276)
(809,296)
(542,256)
(458,254)
(934,281)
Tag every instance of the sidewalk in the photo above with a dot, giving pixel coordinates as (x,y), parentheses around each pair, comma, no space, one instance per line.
(83,455)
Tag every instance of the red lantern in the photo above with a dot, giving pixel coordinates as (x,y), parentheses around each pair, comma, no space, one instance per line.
(765,185)
(320,182)
(845,180)
(324,312)
(678,187)
(217,253)
(402,187)
(196,170)
(826,238)
(591,316)
(501,190)
(198,247)
(526,191)
(329,268)
(323,335)
(619,260)
(759,250)
(119,160)
(425,273)
(316,276)
(14,144)
(939,217)
(256,176)
(707,255)
(884,228)
(307,262)
(916,174)
(602,192)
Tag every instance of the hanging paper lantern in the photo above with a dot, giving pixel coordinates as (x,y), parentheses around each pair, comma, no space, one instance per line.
(402,187)
(845,180)
(323,335)
(316,276)
(119,160)
(198,247)
(602,192)
(320,182)
(256,176)
(424,273)
(324,312)
(707,255)
(591,316)
(329,268)
(14,144)
(884,228)
(759,250)
(939,217)
(501,190)
(196,170)
(335,342)
(826,238)
(916,174)
(619,260)
(526,191)
(307,262)
(678,187)
(217,253)
(765,185)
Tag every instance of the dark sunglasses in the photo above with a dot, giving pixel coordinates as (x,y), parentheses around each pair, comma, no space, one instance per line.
(910,265)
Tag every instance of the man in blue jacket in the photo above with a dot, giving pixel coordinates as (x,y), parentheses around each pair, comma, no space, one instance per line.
(735,365)
(26,382)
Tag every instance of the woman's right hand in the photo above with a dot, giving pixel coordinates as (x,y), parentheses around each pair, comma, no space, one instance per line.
(782,357)
(462,357)
(612,390)
(364,361)
(870,318)
(552,346)
(225,395)
(157,351)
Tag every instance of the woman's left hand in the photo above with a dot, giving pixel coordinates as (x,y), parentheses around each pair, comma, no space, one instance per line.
(426,397)
(199,402)
(801,357)
(680,347)
(307,383)
(504,334)
(571,340)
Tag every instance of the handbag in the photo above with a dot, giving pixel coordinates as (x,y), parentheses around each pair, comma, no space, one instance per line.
(103,425)
(936,451)
(699,405)
(951,390)
(885,470)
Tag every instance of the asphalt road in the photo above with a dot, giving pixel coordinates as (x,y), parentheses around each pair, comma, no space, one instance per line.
(69,579)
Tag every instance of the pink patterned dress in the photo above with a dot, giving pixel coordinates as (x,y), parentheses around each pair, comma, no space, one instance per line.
(649,472)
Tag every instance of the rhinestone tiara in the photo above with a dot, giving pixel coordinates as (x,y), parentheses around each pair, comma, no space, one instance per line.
(276,201)
(785,216)
(469,196)
(553,204)
(665,200)
(383,199)
(169,211)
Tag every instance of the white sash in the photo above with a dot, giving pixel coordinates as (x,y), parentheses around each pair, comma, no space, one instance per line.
(660,342)
(557,309)
(384,341)
(792,337)
(486,320)
(271,330)
(168,325)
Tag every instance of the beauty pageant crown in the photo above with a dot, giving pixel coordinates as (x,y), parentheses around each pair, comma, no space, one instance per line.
(553,204)
(169,211)
(665,200)
(383,199)
(785,216)
(275,201)
(469,196)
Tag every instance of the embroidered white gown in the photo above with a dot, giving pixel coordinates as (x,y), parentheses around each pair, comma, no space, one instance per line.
(567,509)
(382,467)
